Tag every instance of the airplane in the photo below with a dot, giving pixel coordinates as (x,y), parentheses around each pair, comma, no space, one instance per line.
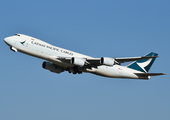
(58,60)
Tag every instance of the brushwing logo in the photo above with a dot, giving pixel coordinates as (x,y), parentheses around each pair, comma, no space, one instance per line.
(144,64)
(24,43)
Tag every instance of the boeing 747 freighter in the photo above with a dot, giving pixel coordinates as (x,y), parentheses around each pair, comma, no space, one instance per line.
(58,60)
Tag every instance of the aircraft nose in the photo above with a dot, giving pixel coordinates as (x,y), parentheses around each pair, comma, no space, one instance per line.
(6,40)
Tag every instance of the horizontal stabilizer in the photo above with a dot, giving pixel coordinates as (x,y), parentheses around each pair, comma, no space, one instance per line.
(149,74)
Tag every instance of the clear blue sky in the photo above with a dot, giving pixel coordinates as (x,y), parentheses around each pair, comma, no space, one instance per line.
(120,28)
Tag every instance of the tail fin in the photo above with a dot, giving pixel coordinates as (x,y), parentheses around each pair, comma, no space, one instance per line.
(143,65)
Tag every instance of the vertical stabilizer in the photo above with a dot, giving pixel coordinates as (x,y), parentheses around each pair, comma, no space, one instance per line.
(143,65)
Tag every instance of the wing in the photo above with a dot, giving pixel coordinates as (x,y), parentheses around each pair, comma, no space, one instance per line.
(78,65)
(92,62)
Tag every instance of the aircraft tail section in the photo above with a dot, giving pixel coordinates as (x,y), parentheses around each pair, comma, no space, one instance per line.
(145,64)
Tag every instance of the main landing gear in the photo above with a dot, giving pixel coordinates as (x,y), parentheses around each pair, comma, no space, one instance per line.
(74,70)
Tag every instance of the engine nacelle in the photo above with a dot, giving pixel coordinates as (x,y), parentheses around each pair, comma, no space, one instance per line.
(52,67)
(77,61)
(107,61)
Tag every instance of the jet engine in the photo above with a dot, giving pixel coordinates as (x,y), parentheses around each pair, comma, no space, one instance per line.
(107,61)
(52,67)
(77,61)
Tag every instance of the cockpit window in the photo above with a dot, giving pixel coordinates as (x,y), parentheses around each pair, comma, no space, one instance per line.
(17,35)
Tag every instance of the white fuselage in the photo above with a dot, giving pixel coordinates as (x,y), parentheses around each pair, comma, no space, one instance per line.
(43,50)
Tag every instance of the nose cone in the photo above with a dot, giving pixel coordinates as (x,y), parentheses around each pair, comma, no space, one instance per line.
(9,41)
(6,40)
